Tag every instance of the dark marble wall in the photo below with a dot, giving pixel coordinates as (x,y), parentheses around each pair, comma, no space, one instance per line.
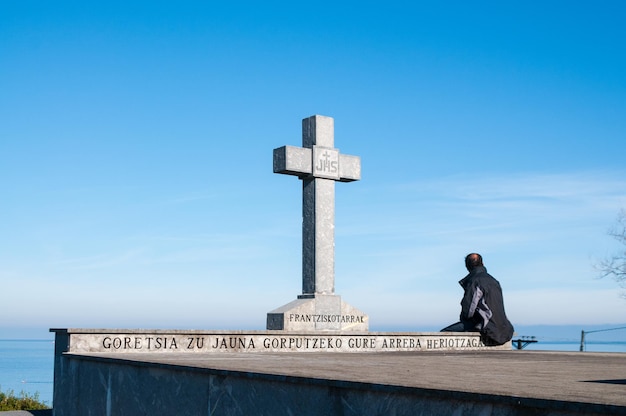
(94,386)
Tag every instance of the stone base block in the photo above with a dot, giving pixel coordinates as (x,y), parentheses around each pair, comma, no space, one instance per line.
(319,313)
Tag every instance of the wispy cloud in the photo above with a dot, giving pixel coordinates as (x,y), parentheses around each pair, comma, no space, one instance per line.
(466,204)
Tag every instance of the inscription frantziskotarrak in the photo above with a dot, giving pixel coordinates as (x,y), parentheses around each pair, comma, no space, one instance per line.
(296,317)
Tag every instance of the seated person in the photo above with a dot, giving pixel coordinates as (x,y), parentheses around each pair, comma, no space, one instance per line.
(482,306)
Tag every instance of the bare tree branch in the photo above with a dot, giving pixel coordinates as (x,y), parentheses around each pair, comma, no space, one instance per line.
(615,266)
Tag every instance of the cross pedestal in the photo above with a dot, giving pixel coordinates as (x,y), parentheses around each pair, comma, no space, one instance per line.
(319,165)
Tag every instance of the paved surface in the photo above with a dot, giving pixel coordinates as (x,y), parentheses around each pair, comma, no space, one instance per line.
(598,378)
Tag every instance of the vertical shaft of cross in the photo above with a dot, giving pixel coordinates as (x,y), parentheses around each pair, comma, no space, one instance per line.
(318,215)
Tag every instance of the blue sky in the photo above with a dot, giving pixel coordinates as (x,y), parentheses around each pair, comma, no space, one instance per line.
(136,158)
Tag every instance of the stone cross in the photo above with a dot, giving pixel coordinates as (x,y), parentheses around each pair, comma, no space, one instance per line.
(319,165)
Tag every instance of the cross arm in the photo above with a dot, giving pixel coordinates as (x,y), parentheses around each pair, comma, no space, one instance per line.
(349,168)
(291,160)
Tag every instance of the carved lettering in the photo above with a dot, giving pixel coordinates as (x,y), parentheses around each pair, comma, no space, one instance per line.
(287,342)
(195,342)
(106,343)
(232,343)
(325,164)
(139,343)
(296,317)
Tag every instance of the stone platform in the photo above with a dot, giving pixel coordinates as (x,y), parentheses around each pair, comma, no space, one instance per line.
(458,383)
(445,382)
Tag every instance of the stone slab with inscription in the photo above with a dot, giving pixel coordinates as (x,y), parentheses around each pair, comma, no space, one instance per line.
(197,341)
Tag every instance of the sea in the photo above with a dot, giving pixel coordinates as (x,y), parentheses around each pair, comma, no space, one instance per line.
(27,365)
